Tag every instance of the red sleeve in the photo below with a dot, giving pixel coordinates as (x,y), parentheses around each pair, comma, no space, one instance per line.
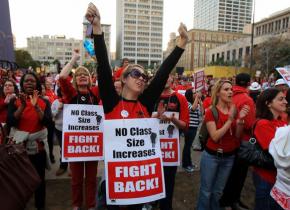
(208,117)
(264,133)
(184,112)
(67,89)
(250,118)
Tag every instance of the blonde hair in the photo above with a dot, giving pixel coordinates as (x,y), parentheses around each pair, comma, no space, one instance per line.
(216,89)
(79,69)
(127,71)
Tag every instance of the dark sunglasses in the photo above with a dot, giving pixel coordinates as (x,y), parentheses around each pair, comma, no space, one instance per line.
(136,74)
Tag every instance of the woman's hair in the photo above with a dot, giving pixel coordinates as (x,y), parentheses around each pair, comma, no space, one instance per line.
(189,95)
(84,69)
(288,102)
(216,89)
(264,99)
(127,71)
(16,91)
(38,84)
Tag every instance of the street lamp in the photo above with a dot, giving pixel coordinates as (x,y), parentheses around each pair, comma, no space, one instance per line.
(252,37)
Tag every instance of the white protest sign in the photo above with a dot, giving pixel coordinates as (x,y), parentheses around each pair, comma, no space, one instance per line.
(82,137)
(133,162)
(169,141)
(285,73)
(199,80)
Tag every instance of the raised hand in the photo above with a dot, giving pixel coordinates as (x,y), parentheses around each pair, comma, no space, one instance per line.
(22,97)
(182,30)
(244,112)
(232,112)
(94,17)
(34,97)
(76,55)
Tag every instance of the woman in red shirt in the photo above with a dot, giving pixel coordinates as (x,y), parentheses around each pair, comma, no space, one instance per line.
(271,104)
(218,157)
(29,115)
(80,91)
(9,91)
(136,100)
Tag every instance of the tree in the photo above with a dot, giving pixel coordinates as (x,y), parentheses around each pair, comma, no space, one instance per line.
(24,59)
(275,52)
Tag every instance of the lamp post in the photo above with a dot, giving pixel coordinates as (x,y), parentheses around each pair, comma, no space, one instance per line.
(252,37)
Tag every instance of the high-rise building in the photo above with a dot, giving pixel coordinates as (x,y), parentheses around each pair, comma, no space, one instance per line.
(222,15)
(139,31)
(50,48)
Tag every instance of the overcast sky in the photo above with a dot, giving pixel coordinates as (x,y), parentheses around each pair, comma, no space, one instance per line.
(64,17)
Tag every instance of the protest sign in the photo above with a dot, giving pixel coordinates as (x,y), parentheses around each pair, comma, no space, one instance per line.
(199,80)
(169,141)
(285,73)
(133,163)
(82,138)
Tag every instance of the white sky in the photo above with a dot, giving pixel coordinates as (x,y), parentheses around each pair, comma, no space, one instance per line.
(64,17)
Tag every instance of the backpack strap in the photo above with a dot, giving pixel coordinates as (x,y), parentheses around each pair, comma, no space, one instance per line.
(215,113)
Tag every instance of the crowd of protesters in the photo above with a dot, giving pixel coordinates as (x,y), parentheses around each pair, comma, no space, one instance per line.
(31,108)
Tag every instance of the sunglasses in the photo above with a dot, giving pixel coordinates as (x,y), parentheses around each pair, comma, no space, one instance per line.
(136,74)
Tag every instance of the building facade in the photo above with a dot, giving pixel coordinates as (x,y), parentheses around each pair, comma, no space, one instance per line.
(222,15)
(276,25)
(139,31)
(49,48)
(196,53)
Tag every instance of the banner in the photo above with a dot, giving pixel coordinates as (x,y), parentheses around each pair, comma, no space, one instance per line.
(169,141)
(199,78)
(285,73)
(133,163)
(82,136)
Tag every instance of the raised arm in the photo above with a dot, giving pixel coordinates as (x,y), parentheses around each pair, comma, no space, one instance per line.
(108,93)
(155,88)
(68,67)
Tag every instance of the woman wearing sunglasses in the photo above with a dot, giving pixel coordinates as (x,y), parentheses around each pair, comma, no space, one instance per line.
(80,91)
(135,101)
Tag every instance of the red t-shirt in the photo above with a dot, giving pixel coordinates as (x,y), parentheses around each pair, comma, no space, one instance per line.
(206,102)
(51,95)
(29,120)
(264,133)
(228,142)
(129,109)
(69,92)
(3,110)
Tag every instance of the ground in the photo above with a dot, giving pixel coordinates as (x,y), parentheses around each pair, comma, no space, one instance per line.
(185,195)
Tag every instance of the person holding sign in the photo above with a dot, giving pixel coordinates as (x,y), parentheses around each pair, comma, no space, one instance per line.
(80,91)
(134,101)
(172,108)
(218,157)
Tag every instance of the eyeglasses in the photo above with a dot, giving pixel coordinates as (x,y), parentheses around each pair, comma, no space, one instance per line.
(136,74)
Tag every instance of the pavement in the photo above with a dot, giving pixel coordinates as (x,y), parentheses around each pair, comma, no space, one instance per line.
(58,191)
